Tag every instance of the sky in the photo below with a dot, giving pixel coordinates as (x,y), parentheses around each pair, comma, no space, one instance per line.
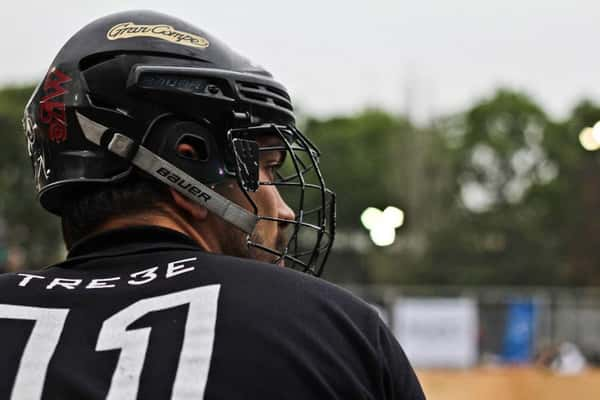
(426,58)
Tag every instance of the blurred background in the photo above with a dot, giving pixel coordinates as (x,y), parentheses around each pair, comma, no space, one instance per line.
(461,140)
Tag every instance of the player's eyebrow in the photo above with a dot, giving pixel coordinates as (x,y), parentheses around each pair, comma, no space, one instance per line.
(271,145)
(269,141)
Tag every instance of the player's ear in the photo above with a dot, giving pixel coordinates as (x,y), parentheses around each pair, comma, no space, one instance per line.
(196,210)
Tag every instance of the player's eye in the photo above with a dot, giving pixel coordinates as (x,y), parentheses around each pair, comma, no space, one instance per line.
(271,169)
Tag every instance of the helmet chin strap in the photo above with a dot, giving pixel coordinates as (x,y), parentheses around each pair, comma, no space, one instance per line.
(170,175)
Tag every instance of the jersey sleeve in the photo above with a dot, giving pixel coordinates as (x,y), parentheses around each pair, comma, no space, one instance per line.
(399,381)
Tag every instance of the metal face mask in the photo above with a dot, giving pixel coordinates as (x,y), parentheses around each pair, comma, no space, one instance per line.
(299,182)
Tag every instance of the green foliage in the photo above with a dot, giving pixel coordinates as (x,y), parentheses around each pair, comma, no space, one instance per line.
(492,233)
(356,150)
(568,204)
(374,159)
(28,225)
(499,194)
(542,189)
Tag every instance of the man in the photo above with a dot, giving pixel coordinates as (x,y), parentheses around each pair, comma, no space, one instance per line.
(183,189)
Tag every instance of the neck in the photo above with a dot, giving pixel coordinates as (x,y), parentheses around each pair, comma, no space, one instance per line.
(167,219)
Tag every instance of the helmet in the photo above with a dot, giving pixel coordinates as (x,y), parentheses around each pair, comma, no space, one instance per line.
(126,89)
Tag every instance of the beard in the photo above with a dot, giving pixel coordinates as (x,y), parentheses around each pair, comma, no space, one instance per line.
(237,244)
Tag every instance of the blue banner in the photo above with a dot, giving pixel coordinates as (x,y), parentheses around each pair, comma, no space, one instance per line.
(519,333)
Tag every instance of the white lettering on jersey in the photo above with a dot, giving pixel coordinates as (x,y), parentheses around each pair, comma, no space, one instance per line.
(149,275)
(67,283)
(102,283)
(178,267)
(173,269)
(27,278)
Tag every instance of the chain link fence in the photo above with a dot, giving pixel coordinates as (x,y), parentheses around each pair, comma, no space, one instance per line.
(561,314)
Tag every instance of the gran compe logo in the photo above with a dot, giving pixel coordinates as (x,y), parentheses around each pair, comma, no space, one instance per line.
(128,30)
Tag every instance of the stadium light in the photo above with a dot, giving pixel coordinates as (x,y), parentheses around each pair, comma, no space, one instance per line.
(382,224)
(588,138)
(596,132)
(394,216)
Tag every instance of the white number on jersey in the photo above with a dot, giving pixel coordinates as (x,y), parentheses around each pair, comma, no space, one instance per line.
(49,322)
(194,360)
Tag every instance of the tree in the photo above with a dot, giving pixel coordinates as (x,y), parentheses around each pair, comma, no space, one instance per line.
(567,205)
(375,159)
(524,194)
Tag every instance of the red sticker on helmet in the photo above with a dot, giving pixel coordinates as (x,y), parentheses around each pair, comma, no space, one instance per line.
(52,106)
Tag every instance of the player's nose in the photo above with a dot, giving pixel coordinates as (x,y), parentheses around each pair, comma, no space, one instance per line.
(284,211)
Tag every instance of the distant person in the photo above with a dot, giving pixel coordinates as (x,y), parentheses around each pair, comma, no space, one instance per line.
(183,188)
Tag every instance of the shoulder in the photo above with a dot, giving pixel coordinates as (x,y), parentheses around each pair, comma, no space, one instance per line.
(297,291)
(256,272)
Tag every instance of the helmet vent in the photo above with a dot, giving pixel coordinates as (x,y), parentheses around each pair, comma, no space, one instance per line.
(265,94)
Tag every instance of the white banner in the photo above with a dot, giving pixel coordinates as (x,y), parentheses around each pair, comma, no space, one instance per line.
(440,332)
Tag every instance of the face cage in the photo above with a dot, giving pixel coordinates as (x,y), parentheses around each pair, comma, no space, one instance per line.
(301,185)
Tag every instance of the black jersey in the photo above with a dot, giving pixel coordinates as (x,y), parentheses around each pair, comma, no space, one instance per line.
(143,313)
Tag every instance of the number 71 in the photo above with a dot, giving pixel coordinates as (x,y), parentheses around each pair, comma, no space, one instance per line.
(194,360)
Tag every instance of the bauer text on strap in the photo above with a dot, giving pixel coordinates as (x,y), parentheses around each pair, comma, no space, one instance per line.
(169,174)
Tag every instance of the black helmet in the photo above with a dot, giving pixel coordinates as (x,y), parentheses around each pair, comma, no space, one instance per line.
(126,89)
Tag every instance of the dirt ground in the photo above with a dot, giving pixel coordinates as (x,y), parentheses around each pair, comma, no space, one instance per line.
(516,383)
